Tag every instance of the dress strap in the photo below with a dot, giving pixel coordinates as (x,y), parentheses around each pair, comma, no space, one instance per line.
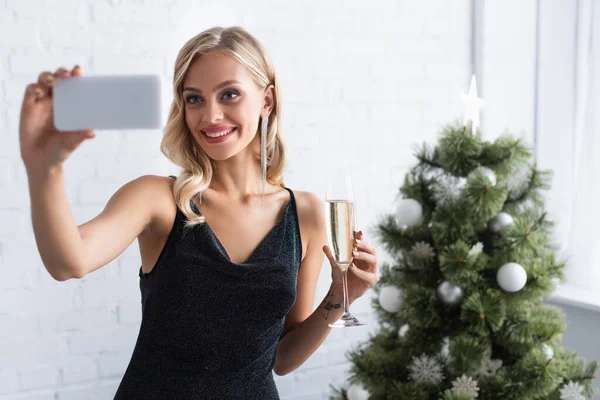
(296,219)
(292,197)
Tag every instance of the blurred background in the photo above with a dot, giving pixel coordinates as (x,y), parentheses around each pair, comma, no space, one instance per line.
(362,83)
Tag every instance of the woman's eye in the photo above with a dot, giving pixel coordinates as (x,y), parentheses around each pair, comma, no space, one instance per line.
(236,94)
(229,95)
(187,99)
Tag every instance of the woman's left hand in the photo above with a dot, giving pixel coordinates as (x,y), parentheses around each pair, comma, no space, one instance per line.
(362,274)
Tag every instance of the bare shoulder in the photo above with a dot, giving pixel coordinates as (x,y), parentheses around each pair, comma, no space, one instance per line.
(160,191)
(311,214)
(310,206)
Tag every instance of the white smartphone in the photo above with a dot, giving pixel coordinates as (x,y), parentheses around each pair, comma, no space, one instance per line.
(108,102)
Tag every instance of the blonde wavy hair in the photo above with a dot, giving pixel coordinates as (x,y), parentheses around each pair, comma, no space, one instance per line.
(178,144)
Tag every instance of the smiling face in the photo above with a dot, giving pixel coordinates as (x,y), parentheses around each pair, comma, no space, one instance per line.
(221,97)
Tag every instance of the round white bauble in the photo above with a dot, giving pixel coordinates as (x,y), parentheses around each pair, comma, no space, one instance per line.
(449,293)
(408,212)
(402,331)
(500,221)
(511,277)
(390,298)
(357,392)
(548,351)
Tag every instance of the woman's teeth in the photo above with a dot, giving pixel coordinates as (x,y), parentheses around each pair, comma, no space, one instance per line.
(214,135)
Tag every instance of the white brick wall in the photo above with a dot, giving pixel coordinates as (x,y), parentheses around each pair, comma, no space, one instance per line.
(361,82)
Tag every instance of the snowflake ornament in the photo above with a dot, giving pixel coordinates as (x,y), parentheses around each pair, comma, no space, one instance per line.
(571,391)
(425,369)
(465,385)
(421,255)
(447,190)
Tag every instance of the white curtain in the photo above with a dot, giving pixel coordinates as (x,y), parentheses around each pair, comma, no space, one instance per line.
(581,238)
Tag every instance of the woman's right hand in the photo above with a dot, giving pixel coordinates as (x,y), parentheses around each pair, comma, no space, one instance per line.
(43,147)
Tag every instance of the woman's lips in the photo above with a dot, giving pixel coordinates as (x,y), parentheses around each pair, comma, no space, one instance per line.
(218,139)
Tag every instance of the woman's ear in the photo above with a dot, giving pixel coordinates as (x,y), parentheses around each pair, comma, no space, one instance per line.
(269,100)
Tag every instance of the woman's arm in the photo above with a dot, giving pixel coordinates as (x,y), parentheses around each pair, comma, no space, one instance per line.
(304,329)
(305,338)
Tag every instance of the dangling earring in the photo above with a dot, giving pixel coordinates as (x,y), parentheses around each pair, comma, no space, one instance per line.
(263,154)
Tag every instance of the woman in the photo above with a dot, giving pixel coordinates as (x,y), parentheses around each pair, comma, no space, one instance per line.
(230,255)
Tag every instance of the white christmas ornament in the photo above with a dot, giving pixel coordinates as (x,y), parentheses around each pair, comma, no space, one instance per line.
(465,385)
(472,106)
(390,298)
(409,212)
(402,331)
(447,190)
(449,293)
(357,392)
(511,277)
(425,369)
(571,391)
(500,221)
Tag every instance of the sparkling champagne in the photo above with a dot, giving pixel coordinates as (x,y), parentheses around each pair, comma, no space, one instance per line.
(340,230)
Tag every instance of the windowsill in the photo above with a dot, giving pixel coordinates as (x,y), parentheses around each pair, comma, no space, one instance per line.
(576,296)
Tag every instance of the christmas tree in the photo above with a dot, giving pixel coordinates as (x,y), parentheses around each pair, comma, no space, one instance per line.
(460,307)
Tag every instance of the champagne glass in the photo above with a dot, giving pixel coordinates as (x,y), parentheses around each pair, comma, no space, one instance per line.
(341,232)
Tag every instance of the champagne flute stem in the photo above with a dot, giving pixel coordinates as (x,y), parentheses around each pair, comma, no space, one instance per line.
(345,284)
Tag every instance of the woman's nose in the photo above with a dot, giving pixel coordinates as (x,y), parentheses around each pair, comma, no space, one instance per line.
(213,113)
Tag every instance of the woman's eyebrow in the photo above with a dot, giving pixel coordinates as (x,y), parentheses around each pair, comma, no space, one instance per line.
(219,86)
